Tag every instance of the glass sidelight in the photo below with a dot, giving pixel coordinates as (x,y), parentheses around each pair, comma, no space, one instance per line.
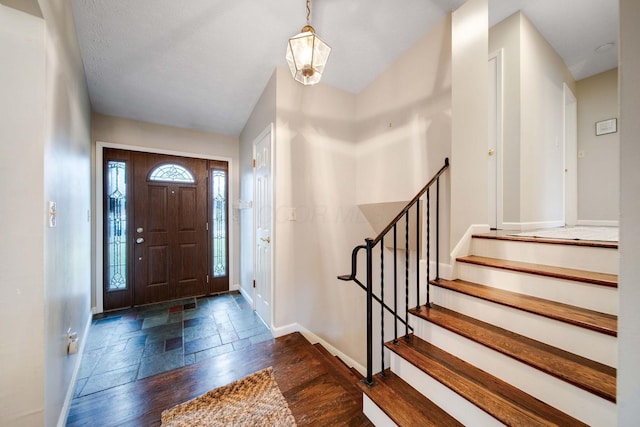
(116,227)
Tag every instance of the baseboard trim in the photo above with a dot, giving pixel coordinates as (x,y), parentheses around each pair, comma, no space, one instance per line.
(313,339)
(246,295)
(598,223)
(64,412)
(463,248)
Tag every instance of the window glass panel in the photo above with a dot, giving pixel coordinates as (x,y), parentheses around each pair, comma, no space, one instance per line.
(116,225)
(219,232)
(171,173)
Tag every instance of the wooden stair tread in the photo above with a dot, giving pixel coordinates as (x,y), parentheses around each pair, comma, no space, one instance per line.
(591,376)
(589,319)
(603,279)
(501,235)
(501,400)
(404,404)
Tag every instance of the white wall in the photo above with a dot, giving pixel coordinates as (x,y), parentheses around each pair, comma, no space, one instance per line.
(46,272)
(315,175)
(263,114)
(22,84)
(629,291)
(168,139)
(470,105)
(599,168)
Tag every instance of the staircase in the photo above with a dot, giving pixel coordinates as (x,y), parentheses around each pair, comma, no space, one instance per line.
(525,337)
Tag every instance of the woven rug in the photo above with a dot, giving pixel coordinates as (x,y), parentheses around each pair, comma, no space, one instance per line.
(604,234)
(255,400)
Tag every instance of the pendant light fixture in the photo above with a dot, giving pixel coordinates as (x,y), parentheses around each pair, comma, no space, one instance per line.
(307,54)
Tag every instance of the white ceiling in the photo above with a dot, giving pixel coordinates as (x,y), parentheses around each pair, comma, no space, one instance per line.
(203,64)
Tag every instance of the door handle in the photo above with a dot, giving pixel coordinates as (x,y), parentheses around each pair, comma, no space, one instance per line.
(491,152)
(266,239)
(139,240)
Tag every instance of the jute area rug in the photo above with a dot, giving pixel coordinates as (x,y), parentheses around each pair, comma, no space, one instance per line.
(255,400)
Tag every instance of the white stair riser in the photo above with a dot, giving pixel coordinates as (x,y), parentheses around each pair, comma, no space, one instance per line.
(571,400)
(594,297)
(590,344)
(454,404)
(588,258)
(375,414)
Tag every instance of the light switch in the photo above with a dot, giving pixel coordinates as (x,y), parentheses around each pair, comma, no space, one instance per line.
(52,214)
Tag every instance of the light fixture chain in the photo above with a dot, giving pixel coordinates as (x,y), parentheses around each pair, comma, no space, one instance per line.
(308,10)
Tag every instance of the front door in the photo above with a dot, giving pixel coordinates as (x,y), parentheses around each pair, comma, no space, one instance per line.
(169,226)
(158,226)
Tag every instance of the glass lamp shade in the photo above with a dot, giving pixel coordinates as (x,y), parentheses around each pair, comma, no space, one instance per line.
(307,56)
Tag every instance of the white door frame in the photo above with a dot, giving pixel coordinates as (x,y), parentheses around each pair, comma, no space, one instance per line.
(570,156)
(269,131)
(494,161)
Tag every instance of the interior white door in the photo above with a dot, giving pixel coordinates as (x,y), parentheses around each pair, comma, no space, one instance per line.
(570,157)
(262,226)
(495,115)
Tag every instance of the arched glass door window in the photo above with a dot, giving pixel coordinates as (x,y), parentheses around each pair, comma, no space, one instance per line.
(171,172)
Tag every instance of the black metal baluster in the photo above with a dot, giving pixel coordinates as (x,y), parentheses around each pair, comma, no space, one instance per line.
(438,228)
(382,305)
(428,304)
(418,254)
(369,379)
(395,284)
(406,276)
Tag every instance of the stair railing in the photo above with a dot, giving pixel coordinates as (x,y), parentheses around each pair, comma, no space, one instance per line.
(368,247)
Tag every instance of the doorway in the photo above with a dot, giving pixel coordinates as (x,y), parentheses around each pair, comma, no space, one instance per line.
(570,124)
(494,149)
(165,228)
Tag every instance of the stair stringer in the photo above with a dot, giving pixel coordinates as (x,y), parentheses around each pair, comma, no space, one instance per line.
(574,401)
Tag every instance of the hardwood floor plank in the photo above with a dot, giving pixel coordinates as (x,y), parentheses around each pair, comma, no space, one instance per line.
(301,373)
(592,376)
(589,319)
(595,278)
(504,402)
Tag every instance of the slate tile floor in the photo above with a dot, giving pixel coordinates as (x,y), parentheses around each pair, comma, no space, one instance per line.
(128,345)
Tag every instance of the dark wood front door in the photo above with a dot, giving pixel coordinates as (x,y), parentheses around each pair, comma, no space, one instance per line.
(170,252)
(157,237)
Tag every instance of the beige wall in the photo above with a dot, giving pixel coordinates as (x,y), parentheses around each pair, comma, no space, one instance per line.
(48,161)
(599,162)
(470,124)
(532,150)
(315,175)
(142,136)
(22,323)
(629,291)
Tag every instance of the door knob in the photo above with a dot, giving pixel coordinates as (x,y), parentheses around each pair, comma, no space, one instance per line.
(491,152)
(139,240)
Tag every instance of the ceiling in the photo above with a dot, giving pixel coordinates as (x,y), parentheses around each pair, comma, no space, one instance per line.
(203,64)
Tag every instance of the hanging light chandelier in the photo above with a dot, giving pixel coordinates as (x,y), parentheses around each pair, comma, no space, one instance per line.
(307,54)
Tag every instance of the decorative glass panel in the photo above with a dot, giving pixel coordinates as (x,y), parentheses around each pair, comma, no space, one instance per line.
(219,232)
(116,225)
(171,173)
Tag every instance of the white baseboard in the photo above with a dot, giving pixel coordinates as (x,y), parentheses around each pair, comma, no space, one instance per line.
(64,412)
(598,223)
(313,339)
(246,295)
(522,226)
(234,287)
(463,248)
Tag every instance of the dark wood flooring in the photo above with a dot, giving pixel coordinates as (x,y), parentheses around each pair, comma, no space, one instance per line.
(318,393)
